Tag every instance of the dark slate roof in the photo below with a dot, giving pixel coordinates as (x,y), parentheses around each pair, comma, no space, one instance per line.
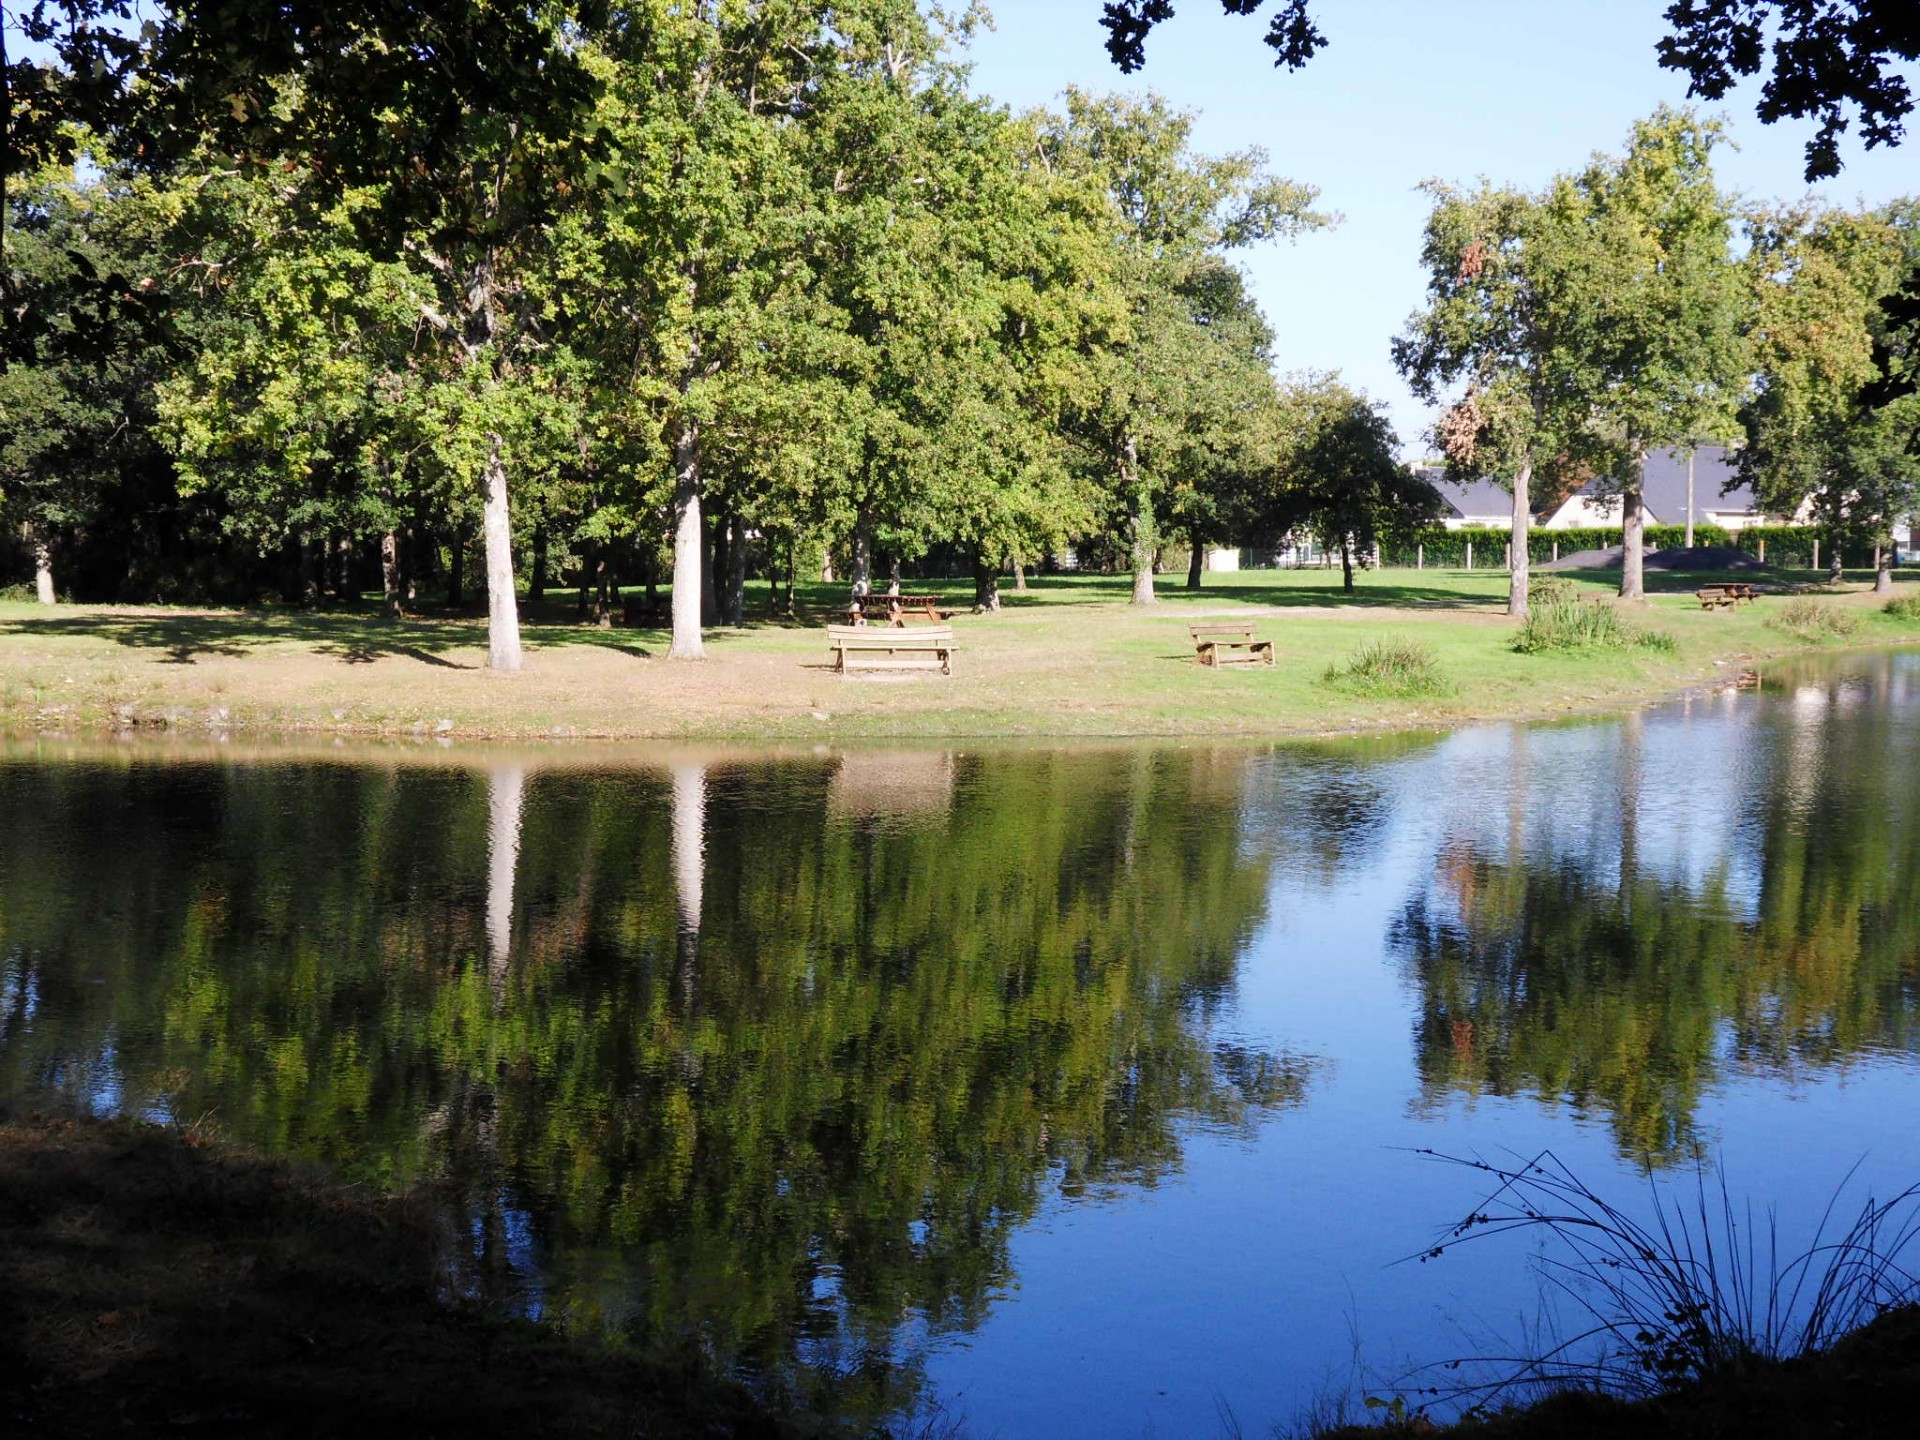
(1715,486)
(1469,497)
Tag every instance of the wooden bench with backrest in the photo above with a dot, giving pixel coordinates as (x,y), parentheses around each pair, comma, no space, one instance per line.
(1214,644)
(1728,595)
(883,647)
(896,609)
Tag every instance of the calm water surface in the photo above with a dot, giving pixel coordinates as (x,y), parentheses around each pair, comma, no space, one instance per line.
(1071,1090)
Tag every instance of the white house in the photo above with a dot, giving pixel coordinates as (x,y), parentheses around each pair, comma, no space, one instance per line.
(1716,495)
(1469,502)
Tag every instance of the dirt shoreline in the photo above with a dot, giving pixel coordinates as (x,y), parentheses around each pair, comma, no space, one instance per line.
(156,1282)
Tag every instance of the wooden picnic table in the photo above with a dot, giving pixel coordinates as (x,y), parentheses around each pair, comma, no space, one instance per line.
(1214,644)
(883,647)
(895,610)
(1726,594)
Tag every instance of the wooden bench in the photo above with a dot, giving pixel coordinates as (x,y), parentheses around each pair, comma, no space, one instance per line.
(1213,645)
(1728,595)
(895,609)
(879,647)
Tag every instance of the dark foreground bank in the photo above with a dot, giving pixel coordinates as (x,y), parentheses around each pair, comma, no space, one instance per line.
(1865,1388)
(153,1283)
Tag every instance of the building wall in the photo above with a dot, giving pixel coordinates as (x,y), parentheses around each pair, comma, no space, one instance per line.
(1466,522)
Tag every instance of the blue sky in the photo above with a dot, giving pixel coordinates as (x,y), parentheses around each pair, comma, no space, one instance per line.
(1515,90)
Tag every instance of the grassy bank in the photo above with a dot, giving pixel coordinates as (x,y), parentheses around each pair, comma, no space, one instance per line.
(1068,658)
(152,1283)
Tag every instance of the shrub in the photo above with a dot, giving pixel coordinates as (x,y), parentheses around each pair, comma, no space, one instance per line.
(1699,1289)
(1572,624)
(1551,590)
(1401,669)
(1904,607)
(1810,619)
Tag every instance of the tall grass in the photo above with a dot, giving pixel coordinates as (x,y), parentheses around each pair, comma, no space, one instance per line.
(1698,1290)
(1395,669)
(1811,619)
(1903,607)
(1562,622)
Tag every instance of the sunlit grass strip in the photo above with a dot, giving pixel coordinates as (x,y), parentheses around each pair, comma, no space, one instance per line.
(1395,668)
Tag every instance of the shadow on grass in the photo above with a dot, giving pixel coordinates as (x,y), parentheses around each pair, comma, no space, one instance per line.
(353,639)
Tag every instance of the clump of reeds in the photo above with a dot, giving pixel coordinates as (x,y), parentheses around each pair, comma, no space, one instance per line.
(1903,607)
(1562,622)
(1811,619)
(1398,669)
(1698,1290)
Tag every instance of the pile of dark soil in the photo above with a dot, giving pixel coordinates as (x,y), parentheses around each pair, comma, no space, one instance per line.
(1698,557)
(154,1285)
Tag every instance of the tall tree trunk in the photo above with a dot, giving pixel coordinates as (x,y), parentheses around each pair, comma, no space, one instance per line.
(687,545)
(713,534)
(986,586)
(1346,563)
(826,567)
(390,574)
(1196,559)
(1019,575)
(537,568)
(893,574)
(793,564)
(1139,524)
(503,614)
(862,556)
(1883,568)
(1836,568)
(1517,550)
(42,565)
(309,571)
(1633,535)
(457,568)
(589,552)
(734,603)
(411,566)
(1690,499)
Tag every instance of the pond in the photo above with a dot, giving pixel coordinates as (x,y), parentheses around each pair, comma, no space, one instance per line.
(1068,1091)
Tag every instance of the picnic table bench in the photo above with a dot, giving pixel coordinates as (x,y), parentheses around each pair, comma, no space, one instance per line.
(895,609)
(1728,594)
(885,647)
(1214,644)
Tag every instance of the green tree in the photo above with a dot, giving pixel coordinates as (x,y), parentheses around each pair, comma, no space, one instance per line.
(1820,327)
(87,333)
(1173,215)
(1661,340)
(1341,476)
(1506,319)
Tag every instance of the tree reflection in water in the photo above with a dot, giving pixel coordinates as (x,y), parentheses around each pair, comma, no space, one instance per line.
(1580,972)
(770,1058)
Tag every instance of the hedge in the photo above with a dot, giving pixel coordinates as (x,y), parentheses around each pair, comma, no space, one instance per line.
(1784,545)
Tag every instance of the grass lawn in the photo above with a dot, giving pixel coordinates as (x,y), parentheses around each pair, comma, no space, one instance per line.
(1070,657)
